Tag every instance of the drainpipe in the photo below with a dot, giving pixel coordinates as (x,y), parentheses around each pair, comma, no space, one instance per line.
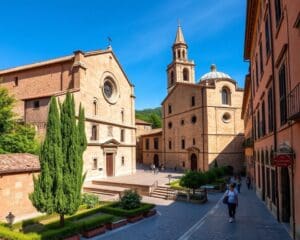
(274,101)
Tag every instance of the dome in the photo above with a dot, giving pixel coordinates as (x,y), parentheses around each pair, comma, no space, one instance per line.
(214,74)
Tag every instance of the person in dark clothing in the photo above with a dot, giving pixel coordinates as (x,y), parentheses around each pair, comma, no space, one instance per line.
(232,202)
(248,182)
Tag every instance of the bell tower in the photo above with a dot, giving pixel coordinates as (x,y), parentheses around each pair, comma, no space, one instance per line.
(181,69)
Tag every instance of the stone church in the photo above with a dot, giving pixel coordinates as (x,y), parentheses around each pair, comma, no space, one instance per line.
(99,83)
(202,122)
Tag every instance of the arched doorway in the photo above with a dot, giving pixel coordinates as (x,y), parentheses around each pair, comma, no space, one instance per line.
(194,162)
(156,160)
(286,199)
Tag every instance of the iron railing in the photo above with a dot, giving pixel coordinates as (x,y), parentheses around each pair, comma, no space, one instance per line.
(293,103)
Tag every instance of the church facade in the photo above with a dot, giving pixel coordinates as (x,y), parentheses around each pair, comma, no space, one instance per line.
(98,82)
(202,122)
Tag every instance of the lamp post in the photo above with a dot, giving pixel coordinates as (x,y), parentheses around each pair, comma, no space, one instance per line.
(10,219)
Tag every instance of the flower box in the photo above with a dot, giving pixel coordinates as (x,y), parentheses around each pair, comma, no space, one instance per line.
(135,218)
(94,232)
(117,224)
(74,237)
(149,213)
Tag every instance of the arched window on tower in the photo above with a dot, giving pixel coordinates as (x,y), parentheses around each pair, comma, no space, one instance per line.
(225,96)
(95,106)
(183,54)
(185,74)
(174,54)
(171,78)
(178,53)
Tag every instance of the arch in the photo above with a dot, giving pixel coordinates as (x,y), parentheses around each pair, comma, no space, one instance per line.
(95,106)
(225,96)
(156,160)
(183,54)
(194,166)
(178,53)
(171,77)
(185,74)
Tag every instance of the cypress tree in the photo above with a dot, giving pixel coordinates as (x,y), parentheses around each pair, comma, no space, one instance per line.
(72,167)
(48,183)
(81,130)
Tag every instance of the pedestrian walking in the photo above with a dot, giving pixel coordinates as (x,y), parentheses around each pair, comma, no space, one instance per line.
(248,182)
(238,183)
(232,202)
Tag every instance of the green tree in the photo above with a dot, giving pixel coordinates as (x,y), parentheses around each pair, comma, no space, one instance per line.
(6,113)
(15,137)
(81,130)
(21,139)
(73,163)
(155,120)
(48,185)
(192,180)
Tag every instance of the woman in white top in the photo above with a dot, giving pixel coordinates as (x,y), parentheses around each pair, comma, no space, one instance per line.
(232,201)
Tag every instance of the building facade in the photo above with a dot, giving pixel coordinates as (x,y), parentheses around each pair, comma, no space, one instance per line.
(142,127)
(152,144)
(272,46)
(202,122)
(16,174)
(98,82)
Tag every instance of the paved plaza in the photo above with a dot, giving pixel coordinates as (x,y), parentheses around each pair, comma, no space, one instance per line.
(183,221)
(144,176)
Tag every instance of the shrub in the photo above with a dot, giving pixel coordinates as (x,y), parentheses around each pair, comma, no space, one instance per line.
(70,228)
(90,200)
(130,200)
(210,176)
(6,233)
(115,209)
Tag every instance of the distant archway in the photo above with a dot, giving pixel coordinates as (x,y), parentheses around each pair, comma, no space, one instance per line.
(194,166)
(156,160)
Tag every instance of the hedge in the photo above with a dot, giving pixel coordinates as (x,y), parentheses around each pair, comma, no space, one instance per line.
(70,228)
(115,209)
(73,228)
(6,233)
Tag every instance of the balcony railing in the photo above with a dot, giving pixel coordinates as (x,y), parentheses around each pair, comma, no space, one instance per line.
(293,103)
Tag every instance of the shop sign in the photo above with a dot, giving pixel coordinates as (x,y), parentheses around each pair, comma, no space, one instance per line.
(282,160)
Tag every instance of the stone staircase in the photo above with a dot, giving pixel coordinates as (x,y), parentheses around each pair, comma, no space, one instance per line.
(104,191)
(163,193)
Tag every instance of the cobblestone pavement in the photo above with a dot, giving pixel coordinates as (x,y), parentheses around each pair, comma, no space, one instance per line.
(253,222)
(172,221)
(184,221)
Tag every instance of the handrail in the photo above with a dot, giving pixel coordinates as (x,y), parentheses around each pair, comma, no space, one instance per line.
(153,186)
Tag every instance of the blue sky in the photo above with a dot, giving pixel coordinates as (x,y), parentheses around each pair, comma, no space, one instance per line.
(142,35)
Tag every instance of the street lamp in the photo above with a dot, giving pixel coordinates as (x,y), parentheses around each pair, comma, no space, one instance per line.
(10,219)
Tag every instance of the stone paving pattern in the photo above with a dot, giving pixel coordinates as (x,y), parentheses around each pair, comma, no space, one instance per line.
(182,221)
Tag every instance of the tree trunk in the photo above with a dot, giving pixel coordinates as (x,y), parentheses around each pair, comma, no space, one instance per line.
(62,220)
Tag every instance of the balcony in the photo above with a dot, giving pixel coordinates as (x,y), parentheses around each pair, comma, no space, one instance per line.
(293,104)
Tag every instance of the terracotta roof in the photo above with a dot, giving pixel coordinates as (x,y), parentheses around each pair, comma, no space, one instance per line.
(19,162)
(156,131)
(139,121)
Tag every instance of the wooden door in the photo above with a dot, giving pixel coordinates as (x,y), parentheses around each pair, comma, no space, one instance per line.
(109,165)
(194,166)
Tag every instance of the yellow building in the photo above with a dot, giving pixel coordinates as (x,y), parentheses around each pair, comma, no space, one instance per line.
(201,120)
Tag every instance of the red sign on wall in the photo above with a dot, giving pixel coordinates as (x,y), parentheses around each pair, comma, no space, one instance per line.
(282,160)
